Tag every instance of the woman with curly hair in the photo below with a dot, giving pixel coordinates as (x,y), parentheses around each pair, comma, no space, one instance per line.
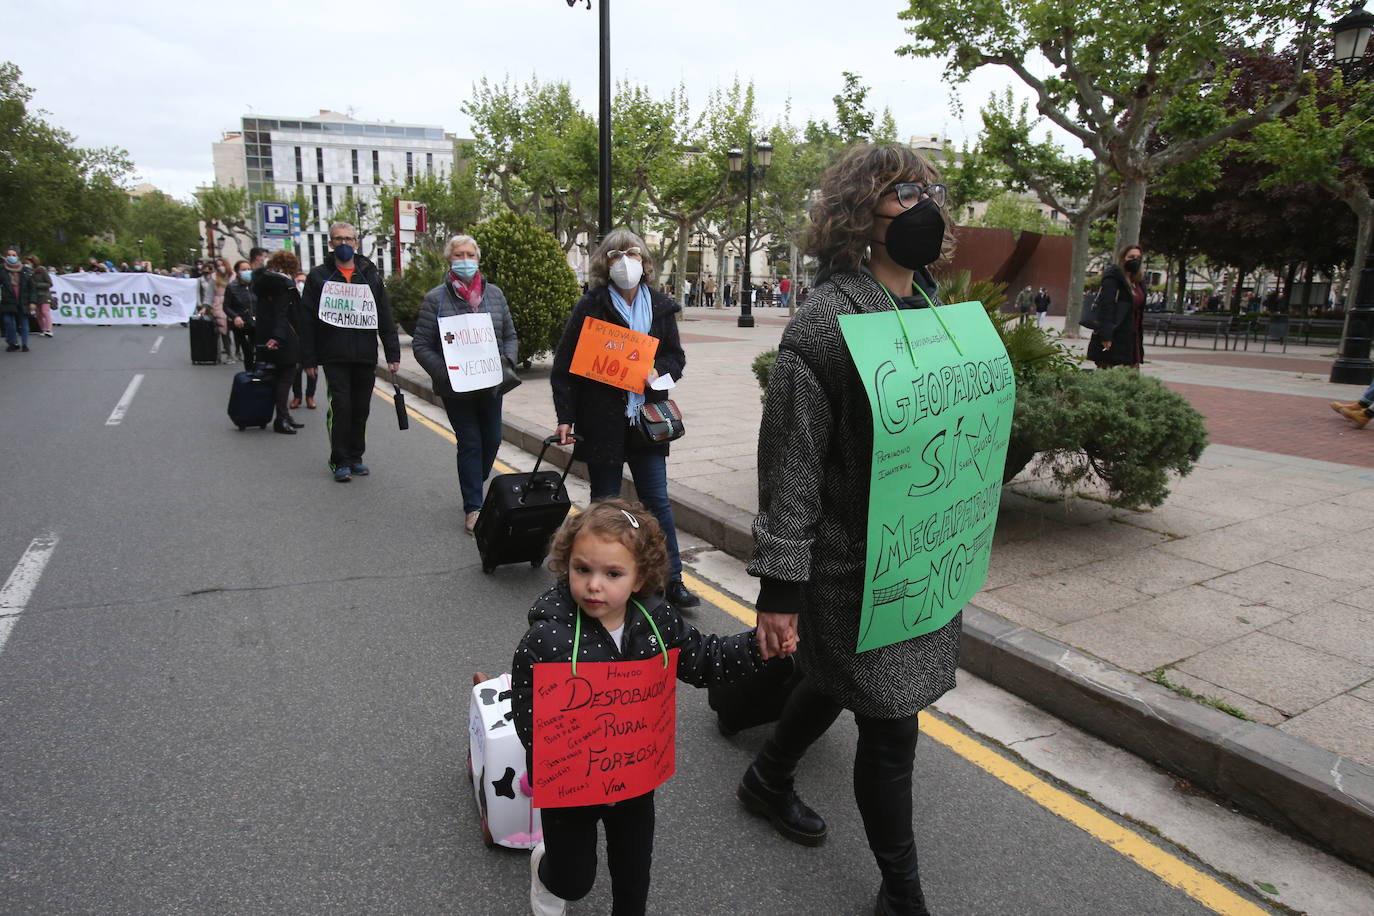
(877,225)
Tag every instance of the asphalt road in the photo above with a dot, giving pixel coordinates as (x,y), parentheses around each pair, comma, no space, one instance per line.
(239,687)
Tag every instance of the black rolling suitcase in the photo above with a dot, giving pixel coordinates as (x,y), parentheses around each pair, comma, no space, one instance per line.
(754,700)
(252,399)
(520,515)
(204,341)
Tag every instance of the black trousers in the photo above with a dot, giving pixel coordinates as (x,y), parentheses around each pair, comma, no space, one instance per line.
(243,339)
(310,382)
(569,865)
(350,400)
(281,388)
(883,764)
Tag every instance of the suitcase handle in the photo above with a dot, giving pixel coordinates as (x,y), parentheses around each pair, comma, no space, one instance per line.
(552,440)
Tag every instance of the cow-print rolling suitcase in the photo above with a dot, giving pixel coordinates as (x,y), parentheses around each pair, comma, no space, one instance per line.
(496,763)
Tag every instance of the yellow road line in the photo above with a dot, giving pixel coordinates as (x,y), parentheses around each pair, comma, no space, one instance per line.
(1168,868)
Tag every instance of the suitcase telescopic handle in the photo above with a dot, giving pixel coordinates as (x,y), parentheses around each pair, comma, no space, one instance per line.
(553,440)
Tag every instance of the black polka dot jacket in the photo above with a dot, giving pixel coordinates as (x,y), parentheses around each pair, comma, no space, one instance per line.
(703,658)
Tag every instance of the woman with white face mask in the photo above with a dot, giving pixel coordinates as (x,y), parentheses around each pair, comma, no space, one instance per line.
(474,415)
(622,292)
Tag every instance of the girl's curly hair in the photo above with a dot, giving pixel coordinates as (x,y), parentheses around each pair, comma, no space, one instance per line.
(842,214)
(611,518)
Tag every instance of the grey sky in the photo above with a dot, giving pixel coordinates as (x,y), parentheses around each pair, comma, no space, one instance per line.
(164,79)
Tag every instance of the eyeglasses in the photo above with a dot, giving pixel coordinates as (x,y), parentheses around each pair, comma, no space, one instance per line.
(341,239)
(908,194)
(615,254)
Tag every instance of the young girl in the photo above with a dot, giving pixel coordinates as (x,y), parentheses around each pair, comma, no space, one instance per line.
(611,560)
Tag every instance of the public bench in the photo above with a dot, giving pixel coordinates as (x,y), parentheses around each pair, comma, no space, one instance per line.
(1325,327)
(1219,327)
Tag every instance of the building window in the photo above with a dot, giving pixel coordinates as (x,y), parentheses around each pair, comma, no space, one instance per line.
(319,164)
(410,167)
(315,201)
(429,164)
(329,199)
(300,170)
(310,244)
(376,167)
(355,166)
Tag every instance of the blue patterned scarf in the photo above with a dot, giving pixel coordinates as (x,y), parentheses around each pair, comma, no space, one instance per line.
(639,317)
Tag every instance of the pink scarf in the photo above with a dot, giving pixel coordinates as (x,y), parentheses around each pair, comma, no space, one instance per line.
(470,292)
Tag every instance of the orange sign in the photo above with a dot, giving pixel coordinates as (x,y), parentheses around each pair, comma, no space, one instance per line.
(613,354)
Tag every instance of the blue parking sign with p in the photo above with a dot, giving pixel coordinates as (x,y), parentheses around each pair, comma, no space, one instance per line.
(275,218)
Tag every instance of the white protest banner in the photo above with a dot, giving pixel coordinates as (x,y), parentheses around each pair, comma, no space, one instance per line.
(134,298)
(470,351)
(348,305)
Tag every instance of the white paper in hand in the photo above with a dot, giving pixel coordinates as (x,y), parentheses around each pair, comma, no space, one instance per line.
(663,383)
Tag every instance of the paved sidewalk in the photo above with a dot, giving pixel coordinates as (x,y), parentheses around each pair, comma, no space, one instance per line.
(1249,586)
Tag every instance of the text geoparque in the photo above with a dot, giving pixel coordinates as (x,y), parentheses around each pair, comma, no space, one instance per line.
(605,733)
(942,392)
(348,305)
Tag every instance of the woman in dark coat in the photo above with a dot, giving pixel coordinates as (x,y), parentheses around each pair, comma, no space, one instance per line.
(474,415)
(278,329)
(877,224)
(622,275)
(17,299)
(1118,340)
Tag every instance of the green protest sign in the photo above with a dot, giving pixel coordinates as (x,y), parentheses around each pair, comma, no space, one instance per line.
(942,391)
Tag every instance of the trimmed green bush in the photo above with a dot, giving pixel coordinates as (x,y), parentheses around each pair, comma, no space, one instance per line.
(407,290)
(529,266)
(763,368)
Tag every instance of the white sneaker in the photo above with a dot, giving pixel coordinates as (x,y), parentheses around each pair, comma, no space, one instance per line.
(543,902)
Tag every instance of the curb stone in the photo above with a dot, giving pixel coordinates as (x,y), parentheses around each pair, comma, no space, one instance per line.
(1285,780)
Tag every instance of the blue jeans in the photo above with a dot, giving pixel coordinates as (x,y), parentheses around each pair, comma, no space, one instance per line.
(650,474)
(16,329)
(1368,396)
(784,298)
(476,423)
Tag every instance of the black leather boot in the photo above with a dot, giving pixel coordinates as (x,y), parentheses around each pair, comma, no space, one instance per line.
(282,426)
(783,808)
(910,902)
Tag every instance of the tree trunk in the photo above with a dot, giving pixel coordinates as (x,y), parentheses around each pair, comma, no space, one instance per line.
(720,275)
(684,231)
(1365,223)
(1082,223)
(1129,212)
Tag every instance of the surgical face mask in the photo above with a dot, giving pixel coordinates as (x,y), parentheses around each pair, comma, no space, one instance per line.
(915,237)
(464,268)
(300,288)
(626,272)
(343,253)
(246,276)
(11,259)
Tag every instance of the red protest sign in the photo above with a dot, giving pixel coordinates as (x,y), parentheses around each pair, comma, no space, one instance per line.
(613,354)
(603,734)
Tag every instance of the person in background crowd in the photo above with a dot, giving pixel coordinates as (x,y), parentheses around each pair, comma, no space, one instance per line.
(221,279)
(603,416)
(279,320)
(728,298)
(239,303)
(17,299)
(1042,305)
(708,291)
(877,226)
(205,287)
(348,353)
(311,379)
(42,292)
(474,415)
(1119,339)
(784,290)
(257,259)
(1024,300)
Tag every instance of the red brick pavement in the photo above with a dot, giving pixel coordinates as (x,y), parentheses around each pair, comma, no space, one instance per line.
(1288,424)
(1286,363)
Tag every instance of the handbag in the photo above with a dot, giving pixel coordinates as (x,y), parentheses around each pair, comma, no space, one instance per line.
(509,379)
(1091,317)
(660,421)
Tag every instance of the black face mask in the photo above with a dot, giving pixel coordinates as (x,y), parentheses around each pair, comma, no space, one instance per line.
(916,235)
(1133,265)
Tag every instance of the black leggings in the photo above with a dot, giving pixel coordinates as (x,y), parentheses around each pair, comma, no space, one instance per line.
(882,774)
(569,865)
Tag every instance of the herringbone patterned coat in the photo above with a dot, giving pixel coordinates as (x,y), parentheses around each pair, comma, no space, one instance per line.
(815,456)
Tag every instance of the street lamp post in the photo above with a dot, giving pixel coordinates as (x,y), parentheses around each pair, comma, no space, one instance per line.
(140,249)
(745,159)
(1353,366)
(604,171)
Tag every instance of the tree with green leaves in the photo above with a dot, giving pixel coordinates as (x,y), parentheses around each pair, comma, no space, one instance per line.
(227,211)
(1082,189)
(532,270)
(54,195)
(1119,75)
(166,226)
(1328,141)
(453,200)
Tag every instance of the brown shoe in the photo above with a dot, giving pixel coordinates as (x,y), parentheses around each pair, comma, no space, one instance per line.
(295,402)
(480,678)
(1338,405)
(1359,416)
(310,402)
(471,523)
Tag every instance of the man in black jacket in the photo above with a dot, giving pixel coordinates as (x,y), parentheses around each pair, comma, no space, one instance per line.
(346,310)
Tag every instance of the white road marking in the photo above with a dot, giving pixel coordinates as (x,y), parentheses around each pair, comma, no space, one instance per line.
(117,415)
(14,597)
(157,343)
